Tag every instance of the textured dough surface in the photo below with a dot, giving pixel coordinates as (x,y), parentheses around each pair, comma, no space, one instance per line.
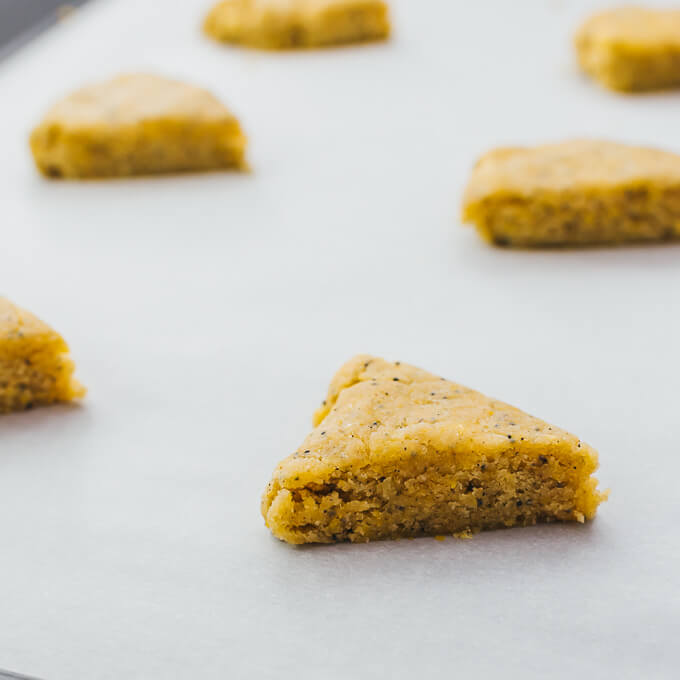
(134,125)
(398,452)
(575,193)
(287,24)
(631,48)
(35,366)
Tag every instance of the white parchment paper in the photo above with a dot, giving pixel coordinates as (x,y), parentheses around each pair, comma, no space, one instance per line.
(207,314)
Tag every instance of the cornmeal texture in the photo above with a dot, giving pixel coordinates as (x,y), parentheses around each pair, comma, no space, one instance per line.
(632,49)
(288,24)
(137,125)
(398,452)
(575,193)
(35,366)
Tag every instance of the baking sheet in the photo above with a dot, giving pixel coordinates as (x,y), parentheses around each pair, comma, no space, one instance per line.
(24,20)
(207,313)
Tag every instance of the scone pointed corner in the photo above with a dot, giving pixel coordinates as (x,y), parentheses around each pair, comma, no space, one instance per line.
(209,23)
(398,452)
(348,375)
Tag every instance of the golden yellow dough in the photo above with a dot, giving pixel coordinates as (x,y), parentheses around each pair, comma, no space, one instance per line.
(286,24)
(35,366)
(632,48)
(575,193)
(137,125)
(399,452)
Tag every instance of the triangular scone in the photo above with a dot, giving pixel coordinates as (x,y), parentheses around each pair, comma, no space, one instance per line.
(137,125)
(287,24)
(631,48)
(577,192)
(35,366)
(398,452)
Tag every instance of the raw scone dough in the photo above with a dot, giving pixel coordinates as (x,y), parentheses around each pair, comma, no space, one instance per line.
(35,366)
(397,451)
(632,48)
(134,125)
(285,24)
(575,193)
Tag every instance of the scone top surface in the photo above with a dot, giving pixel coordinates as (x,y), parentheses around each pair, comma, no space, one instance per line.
(130,99)
(632,27)
(579,165)
(18,325)
(393,413)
